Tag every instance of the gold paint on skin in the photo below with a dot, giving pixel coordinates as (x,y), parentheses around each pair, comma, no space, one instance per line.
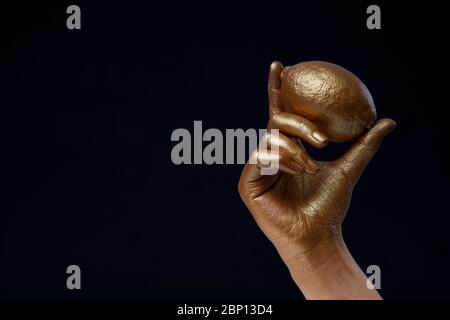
(330,96)
(307,200)
(301,208)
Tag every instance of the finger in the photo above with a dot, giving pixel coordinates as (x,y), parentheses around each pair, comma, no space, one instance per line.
(292,150)
(274,87)
(355,160)
(254,181)
(281,160)
(299,127)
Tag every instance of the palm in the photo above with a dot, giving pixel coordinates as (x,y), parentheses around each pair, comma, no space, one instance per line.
(303,203)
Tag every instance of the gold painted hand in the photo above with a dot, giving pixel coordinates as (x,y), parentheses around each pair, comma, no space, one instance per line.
(303,205)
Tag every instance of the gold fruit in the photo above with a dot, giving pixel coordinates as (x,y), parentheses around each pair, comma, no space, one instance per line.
(330,96)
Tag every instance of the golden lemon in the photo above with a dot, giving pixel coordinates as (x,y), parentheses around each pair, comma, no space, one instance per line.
(330,96)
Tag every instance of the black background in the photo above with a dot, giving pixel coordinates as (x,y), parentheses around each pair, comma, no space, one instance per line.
(86,120)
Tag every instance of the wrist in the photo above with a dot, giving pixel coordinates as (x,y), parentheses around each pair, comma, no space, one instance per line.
(326,270)
(313,254)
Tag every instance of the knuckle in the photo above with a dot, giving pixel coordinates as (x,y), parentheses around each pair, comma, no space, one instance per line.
(364,145)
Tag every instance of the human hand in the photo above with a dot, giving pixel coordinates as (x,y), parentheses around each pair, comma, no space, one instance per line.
(303,205)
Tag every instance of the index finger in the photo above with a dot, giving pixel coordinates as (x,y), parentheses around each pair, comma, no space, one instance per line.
(274,86)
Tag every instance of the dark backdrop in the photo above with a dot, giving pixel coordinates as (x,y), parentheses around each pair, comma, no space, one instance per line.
(86,120)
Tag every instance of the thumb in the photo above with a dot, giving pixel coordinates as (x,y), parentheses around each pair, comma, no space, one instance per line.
(355,160)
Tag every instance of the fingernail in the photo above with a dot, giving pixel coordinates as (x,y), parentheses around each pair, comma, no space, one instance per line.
(319,136)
